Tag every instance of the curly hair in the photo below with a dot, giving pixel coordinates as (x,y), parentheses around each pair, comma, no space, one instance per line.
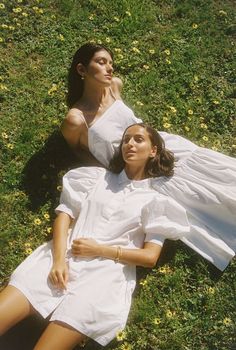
(75,84)
(160,165)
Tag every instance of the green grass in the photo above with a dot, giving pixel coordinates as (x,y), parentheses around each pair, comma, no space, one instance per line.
(176,59)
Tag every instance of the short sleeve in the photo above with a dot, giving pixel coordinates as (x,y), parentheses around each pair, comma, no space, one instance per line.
(77,184)
(163,218)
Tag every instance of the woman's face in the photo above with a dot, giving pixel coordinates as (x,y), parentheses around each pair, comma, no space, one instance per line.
(136,146)
(99,69)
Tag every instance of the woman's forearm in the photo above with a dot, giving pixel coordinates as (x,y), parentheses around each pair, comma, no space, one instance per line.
(60,233)
(141,257)
(146,256)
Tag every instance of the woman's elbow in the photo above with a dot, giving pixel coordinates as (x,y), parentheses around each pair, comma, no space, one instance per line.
(151,261)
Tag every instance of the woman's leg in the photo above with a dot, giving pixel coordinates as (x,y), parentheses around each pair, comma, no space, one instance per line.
(60,336)
(14,307)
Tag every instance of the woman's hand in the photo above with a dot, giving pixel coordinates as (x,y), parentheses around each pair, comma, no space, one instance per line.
(58,275)
(85,247)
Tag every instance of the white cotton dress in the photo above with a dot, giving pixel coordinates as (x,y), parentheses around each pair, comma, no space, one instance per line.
(204,183)
(113,211)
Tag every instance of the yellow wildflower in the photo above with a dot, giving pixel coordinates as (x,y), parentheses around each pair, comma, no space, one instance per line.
(168,61)
(143,282)
(28,251)
(166,125)
(61,37)
(108,40)
(227,321)
(233,146)
(164,269)
(194,26)
(152,51)
(35,8)
(4,26)
(19,1)
(3,87)
(116,49)
(128,13)
(11,27)
(91,17)
(27,245)
(187,128)
(135,42)
(135,49)
(17,10)
(10,146)
(203,126)
(170,314)
(4,135)
(126,346)
(25,14)
(120,335)
(1,40)
(37,221)
(214,148)
(139,103)
(190,111)
(211,290)
(222,13)
(2,6)
(120,56)
(205,138)
(145,66)
(49,230)
(116,19)
(59,188)
(173,109)
(53,89)
(46,216)
(157,321)
(216,102)
(167,52)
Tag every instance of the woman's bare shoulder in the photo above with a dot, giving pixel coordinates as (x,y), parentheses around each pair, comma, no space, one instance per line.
(116,86)
(74,117)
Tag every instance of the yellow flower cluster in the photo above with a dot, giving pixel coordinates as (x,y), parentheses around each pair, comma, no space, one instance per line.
(2,6)
(53,89)
(120,335)
(157,321)
(37,10)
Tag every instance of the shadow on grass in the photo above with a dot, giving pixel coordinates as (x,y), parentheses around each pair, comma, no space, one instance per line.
(41,173)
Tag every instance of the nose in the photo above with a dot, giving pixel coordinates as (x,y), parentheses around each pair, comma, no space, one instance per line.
(110,68)
(131,142)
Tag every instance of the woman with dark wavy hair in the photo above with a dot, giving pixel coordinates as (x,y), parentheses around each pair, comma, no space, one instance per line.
(83,280)
(204,181)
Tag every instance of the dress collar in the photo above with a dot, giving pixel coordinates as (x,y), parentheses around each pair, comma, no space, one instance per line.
(123,179)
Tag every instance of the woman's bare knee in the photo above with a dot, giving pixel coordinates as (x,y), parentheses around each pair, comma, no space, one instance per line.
(14,307)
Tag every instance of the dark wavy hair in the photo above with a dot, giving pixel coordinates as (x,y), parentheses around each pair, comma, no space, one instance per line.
(161,165)
(75,84)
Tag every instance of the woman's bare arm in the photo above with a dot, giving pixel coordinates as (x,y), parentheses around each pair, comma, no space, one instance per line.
(146,256)
(59,271)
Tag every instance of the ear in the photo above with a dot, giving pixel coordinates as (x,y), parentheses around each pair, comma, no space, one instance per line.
(80,69)
(153,152)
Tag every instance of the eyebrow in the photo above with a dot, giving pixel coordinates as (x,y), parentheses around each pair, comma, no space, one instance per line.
(103,58)
(142,135)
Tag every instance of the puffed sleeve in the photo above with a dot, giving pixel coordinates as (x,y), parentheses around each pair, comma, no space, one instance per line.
(163,218)
(77,184)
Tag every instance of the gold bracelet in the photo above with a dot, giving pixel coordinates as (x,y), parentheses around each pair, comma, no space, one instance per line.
(118,254)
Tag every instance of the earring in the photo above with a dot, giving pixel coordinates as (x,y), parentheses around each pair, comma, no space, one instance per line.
(82,77)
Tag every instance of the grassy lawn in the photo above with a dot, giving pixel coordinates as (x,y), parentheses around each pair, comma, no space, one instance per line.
(177,62)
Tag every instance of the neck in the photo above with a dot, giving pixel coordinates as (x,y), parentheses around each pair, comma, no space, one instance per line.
(135,173)
(93,96)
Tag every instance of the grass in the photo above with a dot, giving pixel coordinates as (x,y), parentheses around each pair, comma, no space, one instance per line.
(176,59)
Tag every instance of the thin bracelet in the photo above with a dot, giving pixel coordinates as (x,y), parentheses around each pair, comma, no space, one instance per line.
(118,254)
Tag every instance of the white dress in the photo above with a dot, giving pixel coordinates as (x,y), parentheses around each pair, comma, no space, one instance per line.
(113,211)
(204,183)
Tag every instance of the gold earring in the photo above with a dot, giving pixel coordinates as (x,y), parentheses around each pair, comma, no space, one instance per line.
(82,77)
